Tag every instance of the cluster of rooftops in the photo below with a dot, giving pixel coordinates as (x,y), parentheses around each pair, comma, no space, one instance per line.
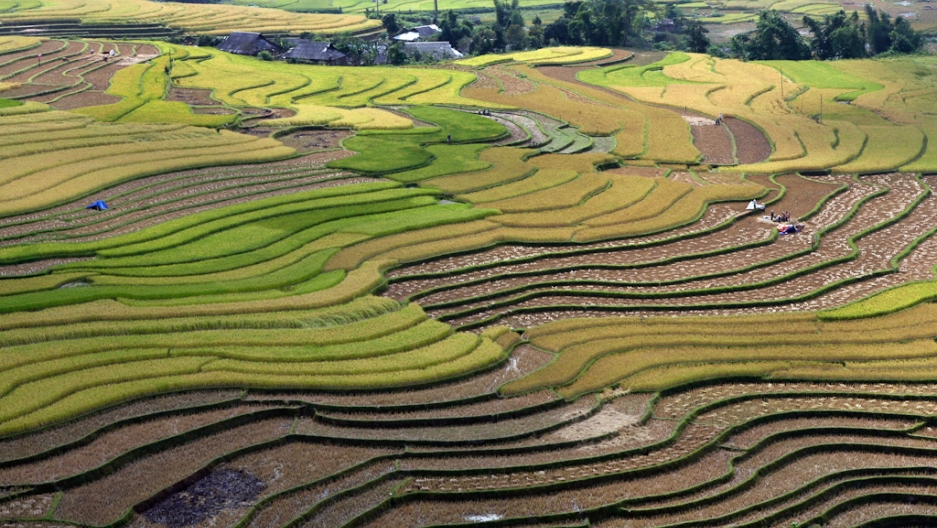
(302,50)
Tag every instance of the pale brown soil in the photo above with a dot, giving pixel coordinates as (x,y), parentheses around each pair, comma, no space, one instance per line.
(103,501)
(345,508)
(83,99)
(315,140)
(38,442)
(801,198)
(256,116)
(513,85)
(115,443)
(47,48)
(485,82)
(294,504)
(880,248)
(751,144)
(582,464)
(649,172)
(192,97)
(101,79)
(36,266)
(25,91)
(84,76)
(47,64)
(15,62)
(714,143)
(516,134)
(29,506)
(568,72)
(487,408)
(490,431)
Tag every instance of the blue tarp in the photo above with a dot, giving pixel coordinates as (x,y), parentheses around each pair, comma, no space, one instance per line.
(98,206)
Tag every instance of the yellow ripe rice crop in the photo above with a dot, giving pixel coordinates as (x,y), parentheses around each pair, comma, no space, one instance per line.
(821,154)
(11,43)
(928,160)
(664,194)
(902,370)
(686,209)
(888,148)
(57,397)
(543,179)
(601,351)
(448,349)
(557,55)
(582,163)
(32,179)
(560,196)
(198,18)
(611,368)
(669,139)
(656,378)
(352,257)
(360,118)
(594,118)
(507,165)
(623,192)
(321,95)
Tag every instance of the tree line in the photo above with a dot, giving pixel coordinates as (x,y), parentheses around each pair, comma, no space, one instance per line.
(837,36)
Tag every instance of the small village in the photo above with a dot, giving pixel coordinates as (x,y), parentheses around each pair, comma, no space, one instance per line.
(414,43)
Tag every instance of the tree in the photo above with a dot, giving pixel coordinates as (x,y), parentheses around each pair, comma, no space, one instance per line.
(452,31)
(837,36)
(484,41)
(265,55)
(516,37)
(773,39)
(535,34)
(879,29)
(390,23)
(396,55)
(558,31)
(608,22)
(903,38)
(697,41)
(840,37)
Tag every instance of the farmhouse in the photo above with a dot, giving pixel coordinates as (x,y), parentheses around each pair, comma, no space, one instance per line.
(317,53)
(418,33)
(436,50)
(247,43)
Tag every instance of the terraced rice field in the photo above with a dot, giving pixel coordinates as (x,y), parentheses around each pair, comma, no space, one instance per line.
(558,314)
(202,18)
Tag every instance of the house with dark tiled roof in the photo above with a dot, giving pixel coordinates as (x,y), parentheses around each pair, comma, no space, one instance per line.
(419,33)
(317,53)
(437,50)
(246,43)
